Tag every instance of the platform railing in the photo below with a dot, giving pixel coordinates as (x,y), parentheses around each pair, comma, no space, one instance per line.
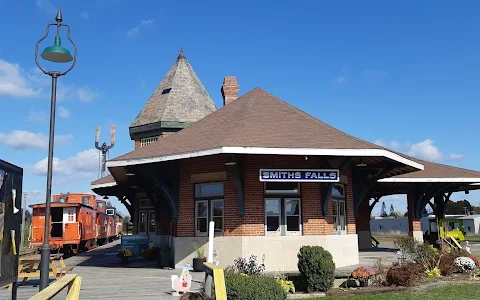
(215,277)
(73,281)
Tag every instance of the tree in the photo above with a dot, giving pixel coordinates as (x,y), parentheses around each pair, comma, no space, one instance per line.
(392,212)
(458,208)
(383,212)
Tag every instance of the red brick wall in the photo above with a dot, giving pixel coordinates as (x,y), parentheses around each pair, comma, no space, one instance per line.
(252,223)
(363,219)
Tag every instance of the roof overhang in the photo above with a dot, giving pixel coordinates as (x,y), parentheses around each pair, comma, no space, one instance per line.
(474,181)
(102,185)
(269,151)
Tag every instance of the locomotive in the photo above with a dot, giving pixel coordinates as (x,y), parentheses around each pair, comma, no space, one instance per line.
(77,222)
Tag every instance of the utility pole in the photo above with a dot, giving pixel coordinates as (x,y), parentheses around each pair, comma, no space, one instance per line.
(104,148)
(24,208)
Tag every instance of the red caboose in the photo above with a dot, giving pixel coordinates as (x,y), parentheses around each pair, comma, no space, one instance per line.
(72,222)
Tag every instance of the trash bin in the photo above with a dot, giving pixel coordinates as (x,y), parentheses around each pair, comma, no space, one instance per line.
(164,256)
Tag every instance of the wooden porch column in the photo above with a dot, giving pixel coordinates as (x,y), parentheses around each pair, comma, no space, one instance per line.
(362,223)
(414,226)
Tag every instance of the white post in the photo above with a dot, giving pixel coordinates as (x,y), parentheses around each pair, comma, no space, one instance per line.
(211,233)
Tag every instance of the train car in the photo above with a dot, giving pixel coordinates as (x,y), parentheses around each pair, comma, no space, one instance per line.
(112,223)
(119,227)
(102,223)
(73,220)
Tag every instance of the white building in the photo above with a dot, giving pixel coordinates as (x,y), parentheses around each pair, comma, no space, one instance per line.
(380,224)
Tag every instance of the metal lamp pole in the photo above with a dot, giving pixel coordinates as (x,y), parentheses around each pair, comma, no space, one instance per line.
(57,54)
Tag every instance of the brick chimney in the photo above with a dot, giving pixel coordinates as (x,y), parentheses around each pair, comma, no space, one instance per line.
(230,89)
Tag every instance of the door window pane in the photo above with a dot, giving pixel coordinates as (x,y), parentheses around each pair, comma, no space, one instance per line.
(291,207)
(272,207)
(142,225)
(217,215)
(293,223)
(202,225)
(152,223)
(273,223)
(201,216)
(202,209)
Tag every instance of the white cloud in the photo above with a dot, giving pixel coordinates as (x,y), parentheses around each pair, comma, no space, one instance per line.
(37,116)
(18,83)
(63,112)
(85,15)
(85,94)
(424,150)
(135,30)
(46,6)
(13,81)
(22,140)
(81,165)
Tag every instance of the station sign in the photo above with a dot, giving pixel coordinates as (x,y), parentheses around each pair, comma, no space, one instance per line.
(300,175)
(135,242)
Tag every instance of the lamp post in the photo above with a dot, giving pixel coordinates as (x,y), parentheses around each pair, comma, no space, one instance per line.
(57,54)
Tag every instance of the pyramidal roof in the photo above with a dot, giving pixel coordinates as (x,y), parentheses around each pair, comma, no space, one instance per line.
(180,97)
(257,120)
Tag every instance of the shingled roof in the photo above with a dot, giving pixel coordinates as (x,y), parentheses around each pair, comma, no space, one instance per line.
(256,120)
(180,97)
(435,172)
(105,181)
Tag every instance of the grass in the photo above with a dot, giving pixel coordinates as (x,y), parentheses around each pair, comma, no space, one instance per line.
(455,292)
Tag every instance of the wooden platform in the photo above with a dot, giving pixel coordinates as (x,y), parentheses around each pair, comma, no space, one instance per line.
(104,278)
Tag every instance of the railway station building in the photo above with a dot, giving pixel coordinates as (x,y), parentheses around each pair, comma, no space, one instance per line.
(271,177)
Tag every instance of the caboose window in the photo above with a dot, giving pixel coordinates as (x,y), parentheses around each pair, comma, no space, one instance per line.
(71,215)
(86,200)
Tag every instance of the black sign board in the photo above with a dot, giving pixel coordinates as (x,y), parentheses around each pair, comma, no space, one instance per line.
(11,178)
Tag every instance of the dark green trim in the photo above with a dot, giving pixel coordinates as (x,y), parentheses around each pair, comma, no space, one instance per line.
(239,183)
(156,129)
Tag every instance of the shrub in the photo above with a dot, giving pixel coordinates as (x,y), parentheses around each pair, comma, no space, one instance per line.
(404,275)
(446,265)
(287,285)
(475,259)
(380,277)
(433,273)
(362,273)
(464,264)
(316,267)
(241,287)
(250,266)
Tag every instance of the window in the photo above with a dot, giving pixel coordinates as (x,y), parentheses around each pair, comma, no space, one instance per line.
(86,200)
(71,215)
(100,204)
(143,203)
(282,211)
(339,209)
(142,222)
(152,225)
(209,206)
(147,141)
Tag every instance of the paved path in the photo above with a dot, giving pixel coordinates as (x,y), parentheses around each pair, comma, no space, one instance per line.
(105,278)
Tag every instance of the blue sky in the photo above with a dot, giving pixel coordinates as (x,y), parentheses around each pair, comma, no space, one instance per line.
(405,74)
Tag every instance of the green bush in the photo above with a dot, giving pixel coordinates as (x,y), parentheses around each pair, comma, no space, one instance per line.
(243,287)
(316,267)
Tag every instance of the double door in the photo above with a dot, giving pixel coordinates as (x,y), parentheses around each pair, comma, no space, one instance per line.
(147,223)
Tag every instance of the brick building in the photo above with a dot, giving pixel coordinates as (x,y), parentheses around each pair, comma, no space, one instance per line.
(270,176)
